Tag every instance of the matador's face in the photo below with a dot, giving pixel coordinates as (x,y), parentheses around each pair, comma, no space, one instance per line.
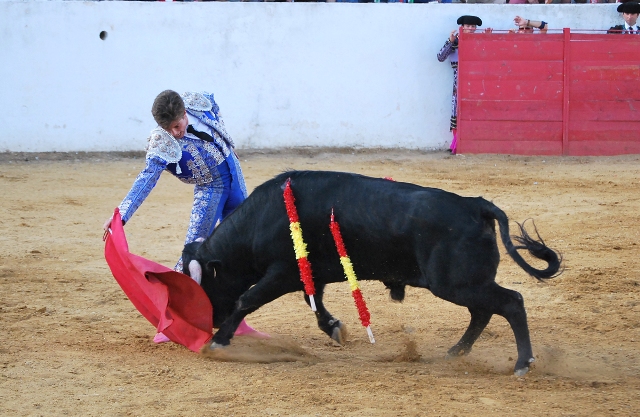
(178,127)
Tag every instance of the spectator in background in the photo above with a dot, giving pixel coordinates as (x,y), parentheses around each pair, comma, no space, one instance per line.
(527,26)
(468,24)
(630,11)
(483,1)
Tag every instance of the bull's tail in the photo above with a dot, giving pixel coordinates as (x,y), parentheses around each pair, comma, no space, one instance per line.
(536,248)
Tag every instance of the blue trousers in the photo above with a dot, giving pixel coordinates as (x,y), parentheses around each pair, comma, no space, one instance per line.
(213,202)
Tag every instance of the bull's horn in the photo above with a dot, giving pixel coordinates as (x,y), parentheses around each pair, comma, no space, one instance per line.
(195,270)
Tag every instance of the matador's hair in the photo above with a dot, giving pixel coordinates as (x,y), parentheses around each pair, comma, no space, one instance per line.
(167,108)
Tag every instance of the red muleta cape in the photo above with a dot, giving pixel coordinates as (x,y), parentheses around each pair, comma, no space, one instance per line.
(171,301)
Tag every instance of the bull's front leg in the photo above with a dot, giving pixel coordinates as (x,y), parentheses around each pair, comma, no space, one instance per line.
(277,282)
(228,328)
(326,322)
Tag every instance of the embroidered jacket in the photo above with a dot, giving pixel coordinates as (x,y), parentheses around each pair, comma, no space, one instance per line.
(450,49)
(190,159)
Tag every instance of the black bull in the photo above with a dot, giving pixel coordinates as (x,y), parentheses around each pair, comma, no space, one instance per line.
(398,233)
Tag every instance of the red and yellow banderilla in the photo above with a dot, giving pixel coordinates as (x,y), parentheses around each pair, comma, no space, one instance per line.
(298,244)
(347,266)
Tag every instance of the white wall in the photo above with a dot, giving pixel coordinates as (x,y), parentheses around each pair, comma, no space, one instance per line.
(301,74)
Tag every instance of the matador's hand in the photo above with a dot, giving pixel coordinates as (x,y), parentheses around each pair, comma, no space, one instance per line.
(452,36)
(107,224)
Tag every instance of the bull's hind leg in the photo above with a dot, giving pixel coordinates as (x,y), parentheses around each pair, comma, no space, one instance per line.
(489,299)
(479,320)
(326,322)
(516,315)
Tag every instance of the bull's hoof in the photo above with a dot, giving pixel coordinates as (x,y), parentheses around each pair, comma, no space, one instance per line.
(522,370)
(457,351)
(214,346)
(339,333)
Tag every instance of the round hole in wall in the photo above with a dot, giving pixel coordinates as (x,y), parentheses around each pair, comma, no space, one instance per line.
(103,35)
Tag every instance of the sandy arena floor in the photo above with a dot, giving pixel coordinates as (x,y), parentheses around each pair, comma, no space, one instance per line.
(73,344)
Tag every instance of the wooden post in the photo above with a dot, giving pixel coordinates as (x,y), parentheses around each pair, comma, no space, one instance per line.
(566,91)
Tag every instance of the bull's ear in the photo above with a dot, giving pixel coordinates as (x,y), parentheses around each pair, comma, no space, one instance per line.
(188,254)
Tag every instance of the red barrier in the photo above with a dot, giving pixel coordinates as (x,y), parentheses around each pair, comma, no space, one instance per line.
(549,94)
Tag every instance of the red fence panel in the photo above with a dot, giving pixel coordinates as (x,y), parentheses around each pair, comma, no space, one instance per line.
(549,94)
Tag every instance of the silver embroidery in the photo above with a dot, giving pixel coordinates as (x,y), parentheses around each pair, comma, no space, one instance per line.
(218,127)
(199,169)
(163,145)
(196,101)
(217,156)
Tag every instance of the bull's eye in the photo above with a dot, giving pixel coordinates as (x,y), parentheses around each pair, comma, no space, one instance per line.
(212,266)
